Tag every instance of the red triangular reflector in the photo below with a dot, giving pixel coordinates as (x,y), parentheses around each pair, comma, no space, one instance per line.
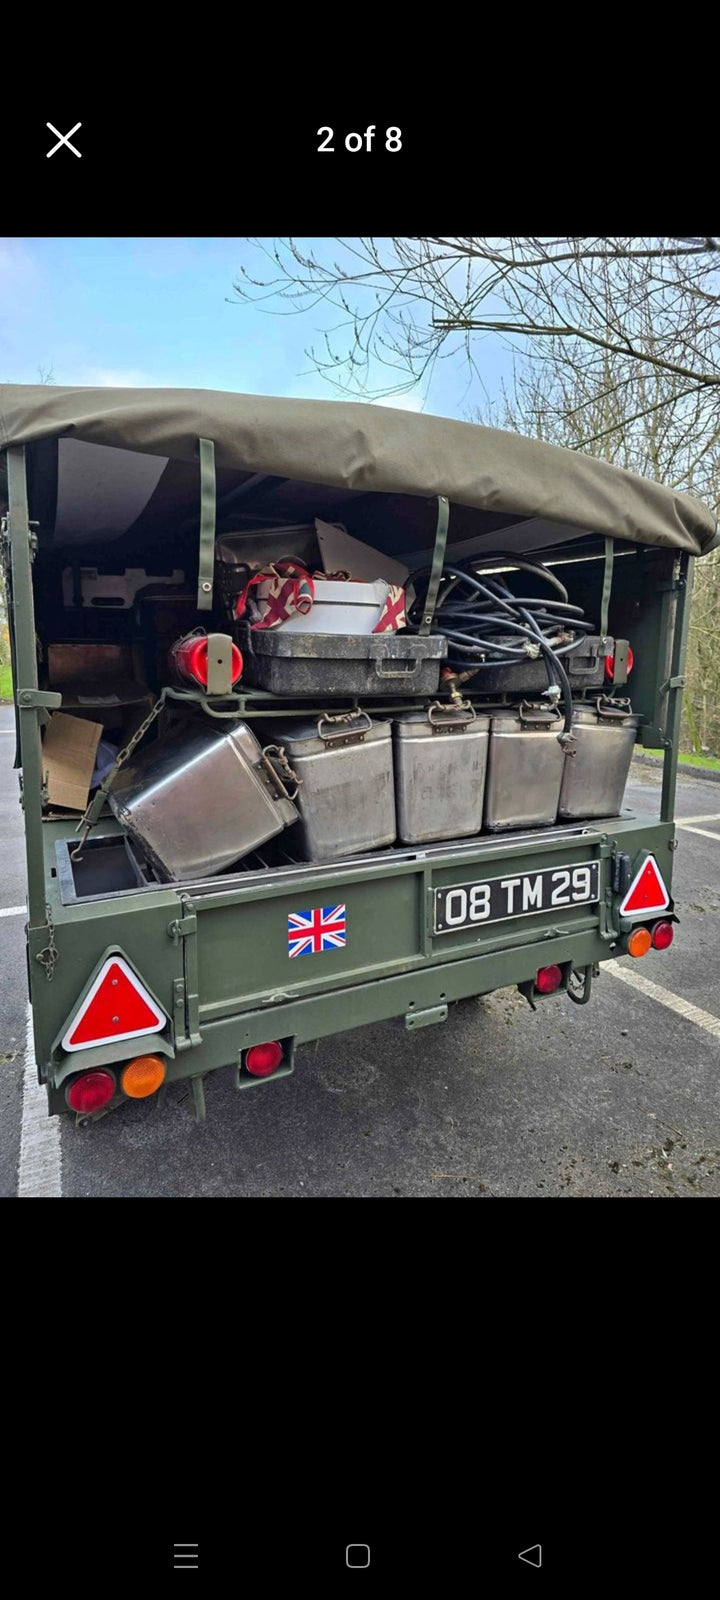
(116,1006)
(647,891)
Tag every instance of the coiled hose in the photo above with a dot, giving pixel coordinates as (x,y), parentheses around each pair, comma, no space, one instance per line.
(476,615)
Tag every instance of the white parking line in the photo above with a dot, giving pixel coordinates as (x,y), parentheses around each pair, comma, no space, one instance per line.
(13,911)
(39,1175)
(706,834)
(682,822)
(674,1002)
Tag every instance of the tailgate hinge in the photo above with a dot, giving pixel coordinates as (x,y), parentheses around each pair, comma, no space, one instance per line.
(186,1000)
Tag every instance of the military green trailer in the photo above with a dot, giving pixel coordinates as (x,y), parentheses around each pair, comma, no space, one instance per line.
(115,499)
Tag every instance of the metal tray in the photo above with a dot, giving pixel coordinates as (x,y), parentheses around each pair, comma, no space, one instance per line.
(327,664)
(585,668)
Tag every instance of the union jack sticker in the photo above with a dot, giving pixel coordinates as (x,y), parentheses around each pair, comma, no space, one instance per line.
(309,932)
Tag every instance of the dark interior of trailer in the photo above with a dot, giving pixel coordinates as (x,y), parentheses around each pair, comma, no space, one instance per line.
(112,599)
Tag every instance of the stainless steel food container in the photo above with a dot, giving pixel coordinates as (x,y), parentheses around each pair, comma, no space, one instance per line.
(595,776)
(440,762)
(201,800)
(525,768)
(346,796)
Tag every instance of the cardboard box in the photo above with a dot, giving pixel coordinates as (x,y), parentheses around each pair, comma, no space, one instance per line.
(68,759)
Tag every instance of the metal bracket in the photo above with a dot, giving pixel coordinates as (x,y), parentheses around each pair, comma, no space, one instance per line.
(219,663)
(672,683)
(425,1019)
(39,699)
(620,662)
(186,996)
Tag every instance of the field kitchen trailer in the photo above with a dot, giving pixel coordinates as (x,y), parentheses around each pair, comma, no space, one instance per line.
(324,716)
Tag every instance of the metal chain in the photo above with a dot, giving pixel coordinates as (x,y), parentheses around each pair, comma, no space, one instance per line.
(88,820)
(49,956)
(127,749)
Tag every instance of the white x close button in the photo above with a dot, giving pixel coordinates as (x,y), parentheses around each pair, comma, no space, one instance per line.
(64,139)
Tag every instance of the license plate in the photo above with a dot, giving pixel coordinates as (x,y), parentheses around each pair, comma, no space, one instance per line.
(524,894)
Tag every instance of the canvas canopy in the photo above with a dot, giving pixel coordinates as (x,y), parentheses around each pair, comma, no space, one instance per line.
(348,448)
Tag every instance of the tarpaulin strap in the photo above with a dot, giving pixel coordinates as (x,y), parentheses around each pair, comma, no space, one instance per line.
(607,585)
(206,556)
(438,562)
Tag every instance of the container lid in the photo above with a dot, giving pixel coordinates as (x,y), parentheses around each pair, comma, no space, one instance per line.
(342,646)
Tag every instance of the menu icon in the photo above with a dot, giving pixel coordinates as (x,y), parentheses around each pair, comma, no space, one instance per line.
(185,1555)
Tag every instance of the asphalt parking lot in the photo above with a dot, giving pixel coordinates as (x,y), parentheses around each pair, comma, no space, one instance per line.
(620,1097)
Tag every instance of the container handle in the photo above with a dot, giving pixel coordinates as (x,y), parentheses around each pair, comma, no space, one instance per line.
(577,670)
(400,669)
(348,727)
(614,710)
(456,718)
(273,756)
(538,716)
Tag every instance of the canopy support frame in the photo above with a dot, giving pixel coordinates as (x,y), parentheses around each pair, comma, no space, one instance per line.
(674,686)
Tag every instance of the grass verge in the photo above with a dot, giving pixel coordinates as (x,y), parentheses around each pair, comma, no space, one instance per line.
(710,763)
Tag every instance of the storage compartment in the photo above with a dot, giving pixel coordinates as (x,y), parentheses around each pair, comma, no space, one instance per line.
(346,796)
(324,664)
(525,768)
(440,763)
(595,776)
(106,865)
(202,799)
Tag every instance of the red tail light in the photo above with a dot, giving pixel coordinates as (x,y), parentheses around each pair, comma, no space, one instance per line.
(90,1092)
(263,1059)
(662,935)
(548,980)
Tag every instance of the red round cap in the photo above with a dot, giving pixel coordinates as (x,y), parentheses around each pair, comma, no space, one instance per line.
(90,1092)
(263,1059)
(548,979)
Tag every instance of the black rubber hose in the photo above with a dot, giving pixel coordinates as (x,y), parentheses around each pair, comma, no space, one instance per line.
(470,612)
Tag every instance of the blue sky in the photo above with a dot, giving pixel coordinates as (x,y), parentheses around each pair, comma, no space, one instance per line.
(156,311)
